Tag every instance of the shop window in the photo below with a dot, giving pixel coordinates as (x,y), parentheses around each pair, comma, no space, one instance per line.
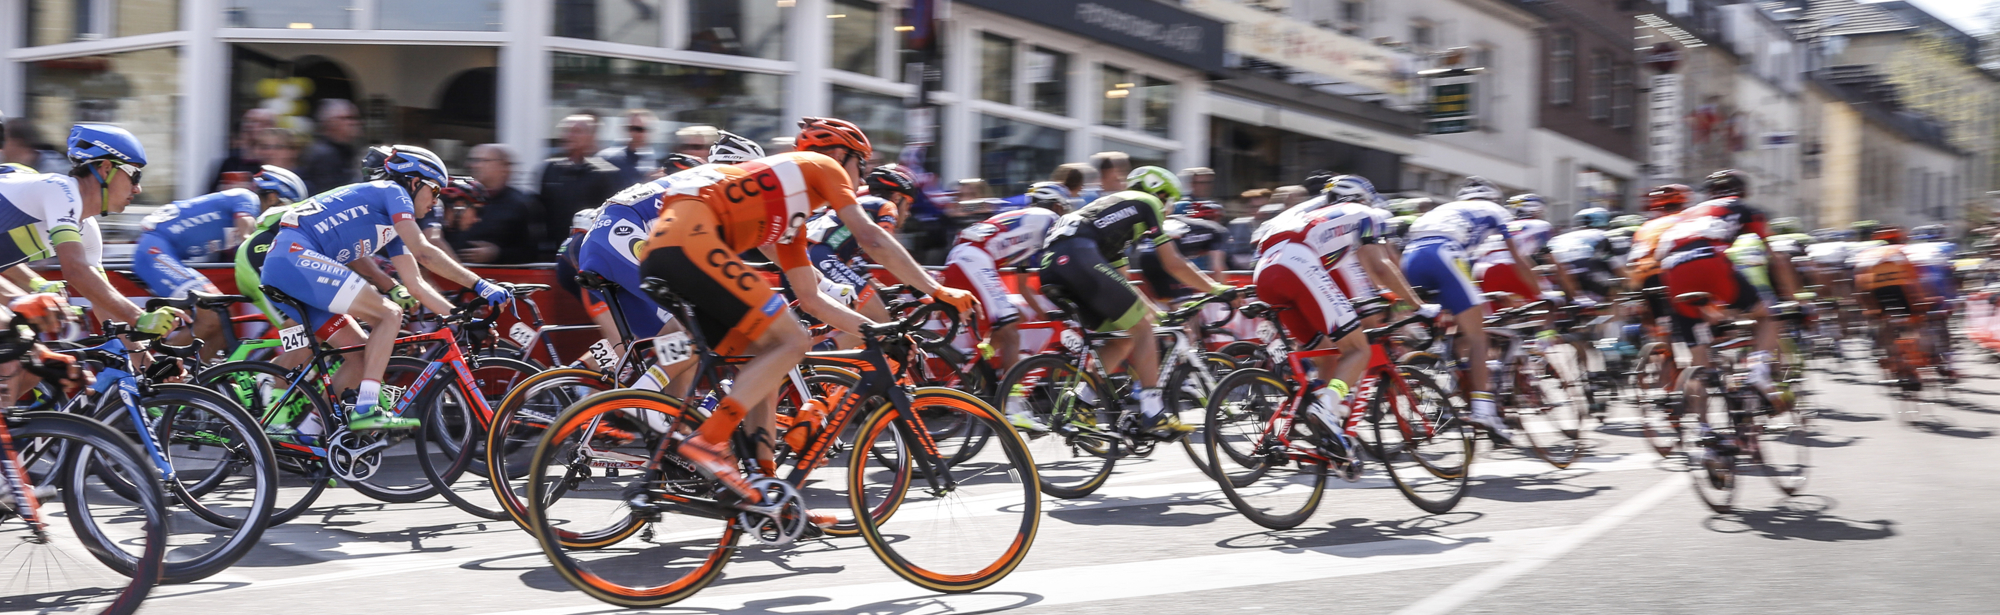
(1423,35)
(138,90)
(63,21)
(1141,155)
(857,35)
(1157,106)
(293,14)
(882,116)
(745,103)
(1048,78)
(996,68)
(1353,11)
(754,29)
(1562,69)
(634,22)
(466,15)
(1116,85)
(1014,154)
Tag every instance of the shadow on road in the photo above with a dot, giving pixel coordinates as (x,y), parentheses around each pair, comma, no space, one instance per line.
(958,604)
(1357,530)
(1801,518)
(1152,513)
(1545,487)
(1945,426)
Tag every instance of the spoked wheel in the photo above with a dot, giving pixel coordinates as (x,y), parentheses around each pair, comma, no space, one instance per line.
(1712,466)
(387,465)
(889,475)
(1075,456)
(1426,442)
(1253,460)
(454,429)
(1660,421)
(518,424)
(1187,393)
(1550,407)
(107,558)
(1784,448)
(264,392)
(958,527)
(576,497)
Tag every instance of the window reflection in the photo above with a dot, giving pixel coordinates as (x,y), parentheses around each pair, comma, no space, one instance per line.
(737,27)
(469,15)
(996,68)
(1014,154)
(1115,87)
(748,104)
(1157,106)
(635,22)
(1048,76)
(137,90)
(882,116)
(299,14)
(856,36)
(62,21)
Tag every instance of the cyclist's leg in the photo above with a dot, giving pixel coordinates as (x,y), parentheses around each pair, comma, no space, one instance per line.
(1440,266)
(330,291)
(970,267)
(1290,275)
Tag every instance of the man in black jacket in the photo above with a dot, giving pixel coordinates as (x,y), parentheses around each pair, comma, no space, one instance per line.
(331,162)
(575,181)
(504,231)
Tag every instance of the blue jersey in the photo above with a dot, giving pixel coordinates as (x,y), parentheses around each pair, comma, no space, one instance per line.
(612,248)
(197,227)
(353,221)
(828,230)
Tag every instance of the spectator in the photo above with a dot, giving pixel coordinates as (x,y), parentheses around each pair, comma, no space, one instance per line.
(278,147)
(572,182)
(330,161)
(1242,253)
(1200,183)
(636,161)
(1072,176)
(242,157)
(1287,196)
(502,230)
(695,140)
(1111,168)
(25,146)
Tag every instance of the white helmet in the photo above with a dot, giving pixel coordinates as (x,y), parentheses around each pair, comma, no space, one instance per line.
(1476,188)
(1351,189)
(730,148)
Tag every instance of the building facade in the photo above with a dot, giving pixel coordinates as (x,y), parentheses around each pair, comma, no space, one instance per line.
(1587,137)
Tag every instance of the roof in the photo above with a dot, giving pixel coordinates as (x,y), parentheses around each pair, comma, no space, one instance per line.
(1842,17)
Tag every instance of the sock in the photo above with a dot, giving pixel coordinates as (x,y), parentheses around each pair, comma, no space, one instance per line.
(367,395)
(727,416)
(1150,403)
(1482,404)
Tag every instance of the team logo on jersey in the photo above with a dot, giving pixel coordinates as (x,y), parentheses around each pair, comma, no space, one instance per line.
(155,251)
(1062,260)
(622,230)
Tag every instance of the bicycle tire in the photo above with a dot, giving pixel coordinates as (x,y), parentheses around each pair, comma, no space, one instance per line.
(957,561)
(1420,431)
(1784,445)
(1258,481)
(518,424)
(1076,457)
(458,449)
(1714,472)
(110,452)
(257,387)
(612,582)
(1552,425)
(1188,403)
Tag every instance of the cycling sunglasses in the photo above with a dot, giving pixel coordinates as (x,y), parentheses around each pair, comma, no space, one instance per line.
(129,170)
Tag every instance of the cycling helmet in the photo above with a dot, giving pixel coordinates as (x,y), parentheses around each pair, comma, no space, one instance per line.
(1350,189)
(1670,197)
(1785,226)
(1726,182)
(371,163)
(1052,196)
(1527,205)
(1891,234)
(286,184)
(677,162)
(465,189)
(1316,181)
(1628,221)
(1403,207)
(1591,217)
(409,161)
(1863,229)
(891,179)
(88,142)
(1155,181)
(818,132)
(1928,232)
(1476,188)
(1205,210)
(731,149)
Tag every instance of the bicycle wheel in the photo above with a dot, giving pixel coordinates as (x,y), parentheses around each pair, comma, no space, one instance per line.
(518,424)
(1255,453)
(1549,407)
(54,572)
(584,490)
(262,389)
(1427,445)
(960,527)
(884,489)
(1076,456)
(1712,464)
(224,475)
(1784,448)
(1187,390)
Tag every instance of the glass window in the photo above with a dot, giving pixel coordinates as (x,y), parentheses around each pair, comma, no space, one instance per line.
(880,115)
(1562,69)
(1141,155)
(635,22)
(296,14)
(1600,86)
(1422,35)
(1351,11)
(441,15)
(1157,106)
(748,104)
(1117,86)
(857,33)
(1621,96)
(1014,154)
(754,29)
(1048,79)
(996,68)
(62,21)
(138,90)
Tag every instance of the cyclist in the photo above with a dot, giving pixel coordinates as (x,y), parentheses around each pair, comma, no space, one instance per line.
(1435,259)
(568,254)
(319,238)
(1199,238)
(1086,257)
(1642,267)
(1005,240)
(1495,268)
(838,256)
(713,213)
(1586,252)
(198,228)
(1933,256)
(1886,279)
(1298,253)
(1620,235)
(1692,259)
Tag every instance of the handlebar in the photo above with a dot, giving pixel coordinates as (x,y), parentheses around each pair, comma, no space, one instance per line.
(1189,311)
(912,322)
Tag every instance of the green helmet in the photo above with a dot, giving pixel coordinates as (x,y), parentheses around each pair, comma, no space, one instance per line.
(1155,181)
(1403,207)
(1628,220)
(1785,226)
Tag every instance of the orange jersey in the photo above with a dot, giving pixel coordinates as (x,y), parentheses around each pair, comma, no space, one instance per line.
(1883,266)
(762,202)
(1641,262)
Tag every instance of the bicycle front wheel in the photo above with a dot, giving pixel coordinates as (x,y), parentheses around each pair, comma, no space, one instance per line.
(264,392)
(518,424)
(1260,455)
(53,570)
(1188,388)
(1075,456)
(1784,448)
(1427,445)
(1549,406)
(960,526)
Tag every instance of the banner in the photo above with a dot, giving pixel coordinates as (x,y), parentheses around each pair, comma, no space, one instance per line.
(1300,45)
(1663,126)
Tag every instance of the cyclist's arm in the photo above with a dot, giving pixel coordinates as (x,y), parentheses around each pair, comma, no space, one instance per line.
(882,248)
(419,287)
(1182,270)
(245,227)
(16,278)
(434,259)
(1380,263)
(805,283)
(373,273)
(85,281)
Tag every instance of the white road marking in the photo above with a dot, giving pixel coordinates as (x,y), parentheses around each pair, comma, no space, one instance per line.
(1459,594)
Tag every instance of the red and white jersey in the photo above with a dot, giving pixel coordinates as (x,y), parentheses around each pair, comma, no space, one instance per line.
(1713,224)
(1013,236)
(1334,232)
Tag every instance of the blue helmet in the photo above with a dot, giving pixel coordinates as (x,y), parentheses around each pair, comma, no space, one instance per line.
(276,179)
(1591,217)
(406,161)
(89,142)
(1350,189)
(1928,232)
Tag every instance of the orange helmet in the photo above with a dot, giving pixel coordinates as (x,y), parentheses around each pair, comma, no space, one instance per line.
(817,132)
(1891,234)
(1668,197)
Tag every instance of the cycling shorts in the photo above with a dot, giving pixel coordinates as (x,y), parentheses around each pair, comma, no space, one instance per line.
(968,266)
(249,265)
(733,305)
(1289,275)
(153,258)
(1438,264)
(1593,276)
(827,261)
(1712,274)
(1899,297)
(1502,278)
(326,287)
(1105,300)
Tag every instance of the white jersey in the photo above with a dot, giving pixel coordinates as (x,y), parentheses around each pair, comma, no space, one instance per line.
(1829,253)
(1580,244)
(1335,233)
(1529,236)
(1463,223)
(1013,236)
(1931,253)
(40,210)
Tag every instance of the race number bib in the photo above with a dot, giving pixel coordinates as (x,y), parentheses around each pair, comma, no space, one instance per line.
(294,337)
(673,348)
(521,333)
(600,353)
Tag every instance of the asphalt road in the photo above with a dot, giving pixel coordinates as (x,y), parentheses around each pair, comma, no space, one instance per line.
(1899,517)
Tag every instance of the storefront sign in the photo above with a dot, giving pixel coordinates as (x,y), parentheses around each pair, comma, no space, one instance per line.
(1451,108)
(1153,28)
(1663,126)
(1301,45)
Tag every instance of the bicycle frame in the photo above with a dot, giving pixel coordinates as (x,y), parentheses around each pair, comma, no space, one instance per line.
(15,477)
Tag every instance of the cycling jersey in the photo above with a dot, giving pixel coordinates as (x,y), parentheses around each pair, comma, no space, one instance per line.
(1832,254)
(1495,268)
(1620,240)
(1692,259)
(316,240)
(1587,254)
(1434,258)
(1195,238)
(1005,240)
(1296,260)
(1086,256)
(612,248)
(1463,223)
(1749,255)
(711,213)
(826,229)
(1336,234)
(1114,222)
(1640,263)
(184,231)
(1888,273)
(1934,266)
(39,211)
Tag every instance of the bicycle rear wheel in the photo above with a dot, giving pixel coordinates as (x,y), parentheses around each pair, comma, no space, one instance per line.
(1784,447)
(1252,460)
(1427,445)
(261,389)
(387,466)
(518,424)
(1188,399)
(1550,407)
(1713,467)
(581,495)
(958,527)
(1076,456)
(126,537)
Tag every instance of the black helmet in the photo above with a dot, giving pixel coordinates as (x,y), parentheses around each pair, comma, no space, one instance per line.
(677,162)
(371,163)
(1726,182)
(890,178)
